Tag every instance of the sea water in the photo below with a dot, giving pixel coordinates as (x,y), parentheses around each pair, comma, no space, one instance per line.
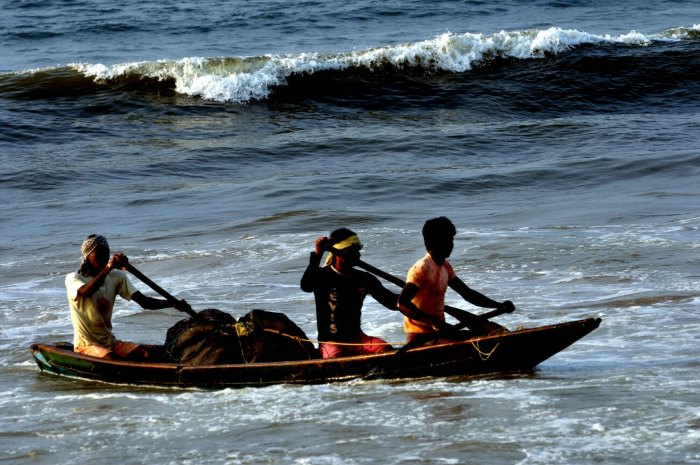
(213,142)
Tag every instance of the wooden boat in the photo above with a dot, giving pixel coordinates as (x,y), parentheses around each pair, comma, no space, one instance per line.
(514,351)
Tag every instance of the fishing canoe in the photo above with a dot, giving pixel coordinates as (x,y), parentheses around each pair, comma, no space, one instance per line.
(515,351)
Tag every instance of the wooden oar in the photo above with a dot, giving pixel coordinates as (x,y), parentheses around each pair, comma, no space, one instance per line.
(484,317)
(131,269)
(466,319)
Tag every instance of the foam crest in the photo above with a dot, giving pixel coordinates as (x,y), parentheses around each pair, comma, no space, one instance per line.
(245,79)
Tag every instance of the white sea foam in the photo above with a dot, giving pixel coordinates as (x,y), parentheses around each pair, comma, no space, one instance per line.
(245,79)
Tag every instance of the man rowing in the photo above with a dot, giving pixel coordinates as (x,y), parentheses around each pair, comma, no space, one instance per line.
(339,291)
(92,291)
(427,283)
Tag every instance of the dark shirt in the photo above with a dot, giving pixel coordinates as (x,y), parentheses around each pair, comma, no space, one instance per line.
(339,298)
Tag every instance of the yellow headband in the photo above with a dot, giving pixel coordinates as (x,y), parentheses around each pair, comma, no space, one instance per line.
(349,242)
(344,244)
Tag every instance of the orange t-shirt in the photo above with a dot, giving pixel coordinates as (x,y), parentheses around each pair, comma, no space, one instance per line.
(432,281)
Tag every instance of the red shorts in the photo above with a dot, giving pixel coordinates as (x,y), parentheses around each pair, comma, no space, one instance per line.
(362,345)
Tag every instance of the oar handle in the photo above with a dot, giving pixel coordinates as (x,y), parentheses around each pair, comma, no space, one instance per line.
(382,274)
(131,269)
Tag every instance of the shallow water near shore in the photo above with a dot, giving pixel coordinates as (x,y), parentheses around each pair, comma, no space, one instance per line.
(213,142)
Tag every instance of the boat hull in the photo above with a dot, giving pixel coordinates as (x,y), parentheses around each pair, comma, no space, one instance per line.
(514,351)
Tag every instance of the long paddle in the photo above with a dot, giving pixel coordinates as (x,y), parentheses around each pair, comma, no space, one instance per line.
(131,269)
(466,319)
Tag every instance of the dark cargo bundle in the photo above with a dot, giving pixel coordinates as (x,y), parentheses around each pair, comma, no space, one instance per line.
(215,338)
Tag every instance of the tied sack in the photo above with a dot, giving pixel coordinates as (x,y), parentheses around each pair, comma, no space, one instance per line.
(215,337)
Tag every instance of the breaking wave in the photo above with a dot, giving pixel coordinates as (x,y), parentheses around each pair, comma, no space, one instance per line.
(248,79)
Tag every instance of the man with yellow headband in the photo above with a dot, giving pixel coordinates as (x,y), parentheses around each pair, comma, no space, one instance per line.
(92,291)
(340,291)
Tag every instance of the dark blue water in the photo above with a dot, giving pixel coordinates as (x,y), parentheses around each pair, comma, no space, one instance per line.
(214,141)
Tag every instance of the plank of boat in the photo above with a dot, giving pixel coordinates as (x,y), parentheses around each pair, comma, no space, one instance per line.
(520,350)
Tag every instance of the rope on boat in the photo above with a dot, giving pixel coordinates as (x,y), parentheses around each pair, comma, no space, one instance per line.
(316,341)
(484,355)
(242,329)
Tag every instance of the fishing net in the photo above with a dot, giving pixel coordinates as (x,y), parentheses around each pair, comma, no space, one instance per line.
(215,337)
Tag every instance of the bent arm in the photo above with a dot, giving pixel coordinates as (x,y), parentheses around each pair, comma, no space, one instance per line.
(88,289)
(411,310)
(476,298)
(408,292)
(150,303)
(308,279)
(384,296)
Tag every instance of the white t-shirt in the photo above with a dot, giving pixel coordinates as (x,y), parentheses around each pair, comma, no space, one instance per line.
(92,316)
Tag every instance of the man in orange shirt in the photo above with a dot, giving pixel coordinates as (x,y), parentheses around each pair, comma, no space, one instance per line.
(427,282)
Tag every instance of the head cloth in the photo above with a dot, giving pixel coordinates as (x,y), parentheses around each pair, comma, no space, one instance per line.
(351,241)
(92,243)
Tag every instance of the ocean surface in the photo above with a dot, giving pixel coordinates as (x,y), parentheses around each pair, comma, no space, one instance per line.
(213,141)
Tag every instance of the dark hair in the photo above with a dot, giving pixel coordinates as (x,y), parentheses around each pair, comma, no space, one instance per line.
(340,235)
(436,229)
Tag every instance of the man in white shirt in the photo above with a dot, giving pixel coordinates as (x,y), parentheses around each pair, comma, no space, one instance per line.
(92,291)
